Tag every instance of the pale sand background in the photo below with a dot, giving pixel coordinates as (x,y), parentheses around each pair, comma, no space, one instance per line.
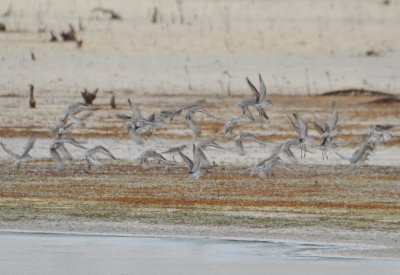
(300,47)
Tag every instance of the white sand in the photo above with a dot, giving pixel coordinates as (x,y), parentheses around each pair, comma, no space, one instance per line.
(301,47)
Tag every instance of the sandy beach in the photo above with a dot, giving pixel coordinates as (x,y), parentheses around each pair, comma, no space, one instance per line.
(165,54)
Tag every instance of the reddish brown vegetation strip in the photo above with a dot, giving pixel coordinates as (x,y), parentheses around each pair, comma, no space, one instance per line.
(313,187)
(352,118)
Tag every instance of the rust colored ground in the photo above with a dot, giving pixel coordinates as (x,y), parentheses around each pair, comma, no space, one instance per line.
(319,191)
(314,195)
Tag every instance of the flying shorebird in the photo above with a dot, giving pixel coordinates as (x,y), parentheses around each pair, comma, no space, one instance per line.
(64,126)
(244,105)
(195,171)
(161,117)
(175,149)
(144,158)
(199,158)
(18,159)
(185,158)
(136,124)
(192,124)
(177,111)
(359,156)
(327,145)
(232,122)
(245,136)
(328,129)
(200,153)
(259,102)
(379,134)
(302,130)
(69,115)
(285,149)
(92,159)
(265,167)
(59,145)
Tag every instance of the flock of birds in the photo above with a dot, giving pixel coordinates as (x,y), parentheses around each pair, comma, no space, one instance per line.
(138,127)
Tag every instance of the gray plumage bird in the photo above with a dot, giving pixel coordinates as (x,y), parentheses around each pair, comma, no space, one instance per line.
(238,141)
(192,124)
(144,158)
(232,122)
(175,149)
(379,134)
(57,147)
(200,158)
(136,125)
(325,129)
(195,171)
(326,146)
(285,149)
(173,113)
(91,155)
(24,157)
(302,130)
(264,168)
(359,156)
(259,102)
(69,115)
(244,105)
(189,163)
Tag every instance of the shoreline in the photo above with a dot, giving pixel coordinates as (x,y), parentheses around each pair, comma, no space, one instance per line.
(360,244)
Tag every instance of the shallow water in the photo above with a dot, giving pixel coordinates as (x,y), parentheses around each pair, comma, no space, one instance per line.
(36,253)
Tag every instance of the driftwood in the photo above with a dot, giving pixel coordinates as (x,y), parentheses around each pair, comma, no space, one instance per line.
(88,96)
(154,18)
(112,102)
(32,102)
(372,53)
(70,35)
(356,92)
(79,43)
(53,37)
(385,100)
(33,57)
(113,14)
